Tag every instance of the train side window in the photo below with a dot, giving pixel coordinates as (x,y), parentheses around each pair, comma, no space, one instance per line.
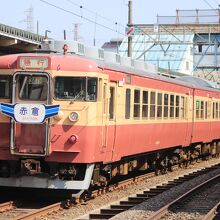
(136,103)
(209,109)
(213,110)
(197,108)
(177,106)
(202,110)
(76,88)
(91,89)
(127,103)
(5,87)
(171,106)
(152,104)
(112,103)
(216,110)
(145,105)
(182,107)
(206,110)
(219,110)
(165,106)
(159,105)
(104,98)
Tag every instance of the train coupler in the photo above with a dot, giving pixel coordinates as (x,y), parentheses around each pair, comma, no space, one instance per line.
(30,166)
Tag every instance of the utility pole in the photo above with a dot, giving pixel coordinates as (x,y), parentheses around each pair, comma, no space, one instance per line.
(129,26)
(30,19)
(37,27)
(76,31)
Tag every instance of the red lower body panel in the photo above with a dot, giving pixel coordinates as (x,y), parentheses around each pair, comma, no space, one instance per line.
(206,132)
(121,141)
(30,138)
(5,141)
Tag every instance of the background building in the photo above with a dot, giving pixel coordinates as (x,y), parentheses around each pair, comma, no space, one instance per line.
(187,42)
(113,45)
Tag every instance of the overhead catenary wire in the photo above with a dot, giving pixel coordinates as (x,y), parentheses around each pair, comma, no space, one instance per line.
(81,16)
(95,13)
(217,2)
(208,4)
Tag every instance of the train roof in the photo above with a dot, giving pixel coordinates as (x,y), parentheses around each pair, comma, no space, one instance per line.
(111,60)
(65,62)
(199,82)
(81,63)
(188,81)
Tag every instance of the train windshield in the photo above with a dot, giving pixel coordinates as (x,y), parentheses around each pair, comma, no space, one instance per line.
(76,88)
(32,87)
(5,87)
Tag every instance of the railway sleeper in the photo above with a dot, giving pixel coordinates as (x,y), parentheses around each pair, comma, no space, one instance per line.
(137,199)
(142,196)
(100,216)
(150,194)
(165,187)
(155,190)
(124,207)
(133,203)
(111,211)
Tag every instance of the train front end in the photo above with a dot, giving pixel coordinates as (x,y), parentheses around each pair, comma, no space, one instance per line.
(46,106)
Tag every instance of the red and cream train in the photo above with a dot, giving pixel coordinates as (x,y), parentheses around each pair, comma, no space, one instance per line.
(111,120)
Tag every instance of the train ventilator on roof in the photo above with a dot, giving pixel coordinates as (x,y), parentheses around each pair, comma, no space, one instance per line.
(74,47)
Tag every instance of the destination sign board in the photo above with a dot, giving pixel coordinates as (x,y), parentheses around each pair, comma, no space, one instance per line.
(29,113)
(33,62)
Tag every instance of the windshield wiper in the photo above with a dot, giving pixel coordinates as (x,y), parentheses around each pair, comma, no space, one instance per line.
(23,86)
(80,93)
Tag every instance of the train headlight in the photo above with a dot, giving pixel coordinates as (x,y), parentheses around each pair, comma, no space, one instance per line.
(74,116)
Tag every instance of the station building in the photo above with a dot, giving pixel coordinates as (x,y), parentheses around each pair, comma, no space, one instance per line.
(188,43)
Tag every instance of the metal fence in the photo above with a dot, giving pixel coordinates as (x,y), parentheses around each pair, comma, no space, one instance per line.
(191,17)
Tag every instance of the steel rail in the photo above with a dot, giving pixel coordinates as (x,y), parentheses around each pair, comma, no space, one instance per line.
(40,212)
(115,208)
(6,206)
(212,213)
(124,205)
(165,209)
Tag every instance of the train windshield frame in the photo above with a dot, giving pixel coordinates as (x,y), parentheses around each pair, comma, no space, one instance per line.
(76,88)
(5,86)
(32,87)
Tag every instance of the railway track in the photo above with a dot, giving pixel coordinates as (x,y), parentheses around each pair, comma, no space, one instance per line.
(194,204)
(33,214)
(214,213)
(11,210)
(116,208)
(7,206)
(18,213)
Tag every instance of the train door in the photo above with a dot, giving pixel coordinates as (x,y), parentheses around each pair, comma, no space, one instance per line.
(30,91)
(112,116)
(210,113)
(109,120)
(188,114)
(104,113)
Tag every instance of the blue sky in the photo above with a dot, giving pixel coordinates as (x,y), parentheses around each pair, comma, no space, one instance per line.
(103,12)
